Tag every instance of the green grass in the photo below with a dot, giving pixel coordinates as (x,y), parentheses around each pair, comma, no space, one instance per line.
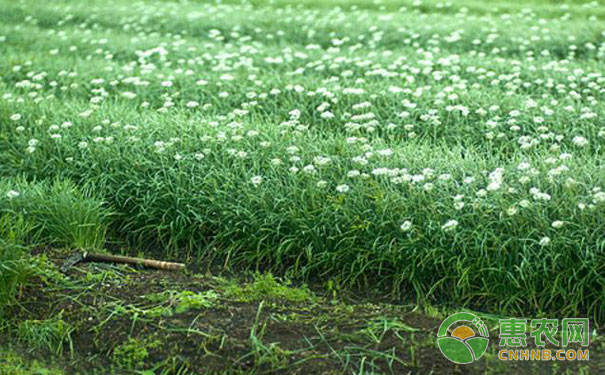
(132,353)
(34,215)
(15,267)
(265,287)
(184,301)
(15,364)
(473,114)
(59,214)
(53,334)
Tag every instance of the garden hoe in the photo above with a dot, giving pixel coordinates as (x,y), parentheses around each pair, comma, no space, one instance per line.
(106,258)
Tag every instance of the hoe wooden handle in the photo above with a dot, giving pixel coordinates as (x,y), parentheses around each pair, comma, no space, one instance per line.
(129,260)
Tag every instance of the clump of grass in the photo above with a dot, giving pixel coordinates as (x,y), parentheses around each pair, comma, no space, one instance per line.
(35,214)
(377,329)
(62,214)
(67,216)
(15,265)
(132,353)
(12,363)
(266,287)
(51,334)
(183,301)
(265,355)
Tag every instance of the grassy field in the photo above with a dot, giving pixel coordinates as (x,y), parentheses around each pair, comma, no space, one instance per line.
(430,153)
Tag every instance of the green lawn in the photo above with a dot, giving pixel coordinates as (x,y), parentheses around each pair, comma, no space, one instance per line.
(448,153)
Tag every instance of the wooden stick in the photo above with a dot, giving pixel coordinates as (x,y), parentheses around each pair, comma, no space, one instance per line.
(129,260)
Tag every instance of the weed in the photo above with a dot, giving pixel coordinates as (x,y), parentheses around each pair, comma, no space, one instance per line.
(183,301)
(61,213)
(50,334)
(132,353)
(376,329)
(68,217)
(12,363)
(265,355)
(15,264)
(266,287)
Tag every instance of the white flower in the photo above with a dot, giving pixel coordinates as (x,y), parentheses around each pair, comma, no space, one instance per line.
(544,241)
(342,188)
(557,224)
(16,117)
(327,115)
(542,196)
(449,225)
(406,226)
(385,152)
(309,169)
(524,180)
(322,183)
(12,194)
(256,180)
(493,186)
(294,114)
(292,149)
(580,141)
(321,160)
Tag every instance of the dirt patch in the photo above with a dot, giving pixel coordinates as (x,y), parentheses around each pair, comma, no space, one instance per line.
(122,320)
